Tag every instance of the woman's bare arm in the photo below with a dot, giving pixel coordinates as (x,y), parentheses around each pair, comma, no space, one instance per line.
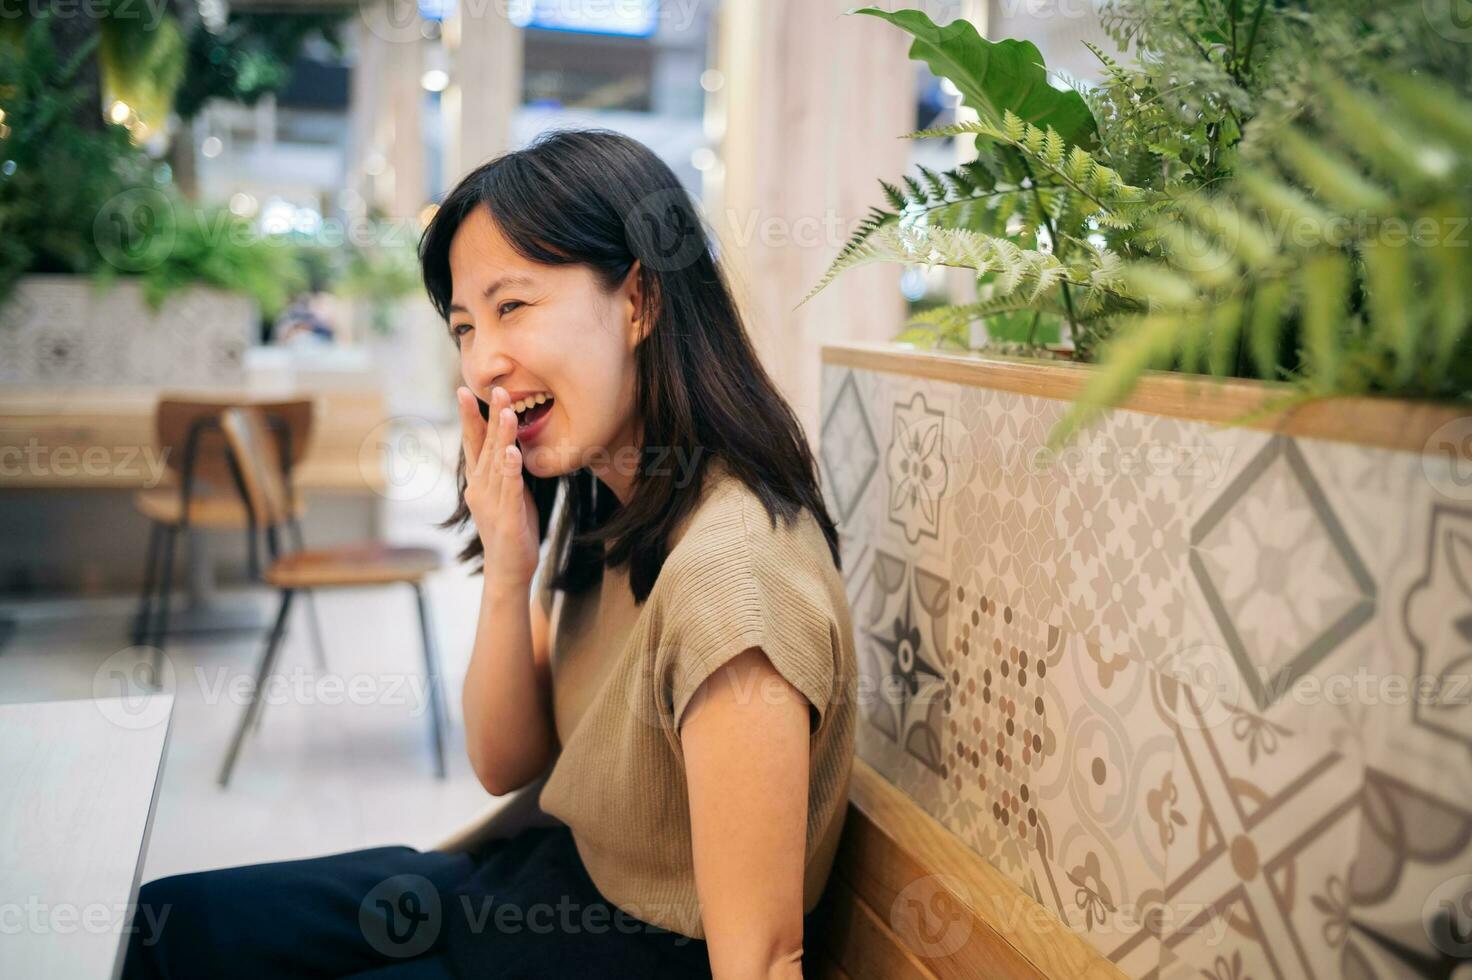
(507,694)
(745,739)
(506,700)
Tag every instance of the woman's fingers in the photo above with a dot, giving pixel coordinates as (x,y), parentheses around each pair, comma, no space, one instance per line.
(488,466)
(472,427)
(511,490)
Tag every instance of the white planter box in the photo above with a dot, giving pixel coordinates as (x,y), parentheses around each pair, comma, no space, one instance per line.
(65,330)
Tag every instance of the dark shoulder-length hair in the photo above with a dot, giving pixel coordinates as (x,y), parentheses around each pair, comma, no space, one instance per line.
(601,199)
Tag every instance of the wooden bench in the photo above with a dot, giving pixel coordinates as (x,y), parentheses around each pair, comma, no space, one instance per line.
(908,900)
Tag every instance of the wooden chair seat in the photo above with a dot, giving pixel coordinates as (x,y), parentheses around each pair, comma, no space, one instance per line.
(265,483)
(214,510)
(357,564)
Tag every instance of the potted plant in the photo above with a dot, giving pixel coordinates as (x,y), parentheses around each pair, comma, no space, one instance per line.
(1188,685)
(1219,207)
(176,291)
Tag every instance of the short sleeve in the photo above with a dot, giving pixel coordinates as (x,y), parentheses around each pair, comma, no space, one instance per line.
(745,584)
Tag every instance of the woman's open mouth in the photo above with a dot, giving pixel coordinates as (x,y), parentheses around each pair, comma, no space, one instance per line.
(531,421)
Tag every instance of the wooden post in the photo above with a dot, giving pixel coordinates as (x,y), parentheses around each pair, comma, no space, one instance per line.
(809,112)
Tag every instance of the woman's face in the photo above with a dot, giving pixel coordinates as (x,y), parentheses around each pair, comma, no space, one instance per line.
(529,327)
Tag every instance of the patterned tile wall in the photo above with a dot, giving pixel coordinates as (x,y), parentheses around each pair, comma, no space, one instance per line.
(59,330)
(1205,693)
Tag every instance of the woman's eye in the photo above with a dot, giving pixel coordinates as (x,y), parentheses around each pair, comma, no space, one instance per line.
(460,329)
(509,306)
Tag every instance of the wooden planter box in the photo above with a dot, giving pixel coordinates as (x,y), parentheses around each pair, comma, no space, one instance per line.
(1203,692)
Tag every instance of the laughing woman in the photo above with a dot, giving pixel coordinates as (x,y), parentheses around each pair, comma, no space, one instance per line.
(663,636)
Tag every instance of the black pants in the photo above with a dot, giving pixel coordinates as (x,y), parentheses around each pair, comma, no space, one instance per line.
(523,907)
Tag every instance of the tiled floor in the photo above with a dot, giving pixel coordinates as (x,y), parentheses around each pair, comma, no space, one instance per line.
(342,760)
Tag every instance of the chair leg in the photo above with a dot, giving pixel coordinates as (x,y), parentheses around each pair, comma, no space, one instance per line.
(318,647)
(263,674)
(436,693)
(160,631)
(139,627)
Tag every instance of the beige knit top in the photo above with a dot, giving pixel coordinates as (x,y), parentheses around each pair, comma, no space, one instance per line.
(623,674)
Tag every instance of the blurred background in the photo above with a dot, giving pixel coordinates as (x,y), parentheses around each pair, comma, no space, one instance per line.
(216,203)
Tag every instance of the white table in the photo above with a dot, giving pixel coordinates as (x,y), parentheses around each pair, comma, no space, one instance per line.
(78,785)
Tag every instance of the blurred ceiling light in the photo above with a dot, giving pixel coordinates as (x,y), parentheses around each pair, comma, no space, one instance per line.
(435,80)
(306,221)
(711,80)
(242,204)
(277,216)
(214,14)
(211,146)
(703,158)
(119,112)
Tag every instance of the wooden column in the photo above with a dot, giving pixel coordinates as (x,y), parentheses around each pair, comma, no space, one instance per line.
(404,101)
(485,90)
(365,113)
(808,116)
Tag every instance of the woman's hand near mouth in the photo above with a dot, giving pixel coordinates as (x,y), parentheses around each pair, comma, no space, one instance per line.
(500,502)
(507,698)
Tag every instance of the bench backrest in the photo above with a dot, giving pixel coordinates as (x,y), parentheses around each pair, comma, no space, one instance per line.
(908,900)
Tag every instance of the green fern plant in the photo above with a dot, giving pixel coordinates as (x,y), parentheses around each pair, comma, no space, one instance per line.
(1342,264)
(1146,214)
(1038,213)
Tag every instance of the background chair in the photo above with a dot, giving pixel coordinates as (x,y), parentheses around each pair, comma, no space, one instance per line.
(265,487)
(194,449)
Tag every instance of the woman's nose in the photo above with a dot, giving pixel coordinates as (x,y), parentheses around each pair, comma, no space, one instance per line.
(486,365)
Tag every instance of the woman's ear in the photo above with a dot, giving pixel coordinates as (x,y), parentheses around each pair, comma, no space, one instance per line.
(639,319)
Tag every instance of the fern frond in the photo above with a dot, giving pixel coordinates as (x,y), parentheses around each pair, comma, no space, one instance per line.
(1329,175)
(1136,347)
(1449,324)
(937,189)
(968,313)
(1075,168)
(921,244)
(893,195)
(1388,295)
(1226,331)
(1270,306)
(1323,280)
